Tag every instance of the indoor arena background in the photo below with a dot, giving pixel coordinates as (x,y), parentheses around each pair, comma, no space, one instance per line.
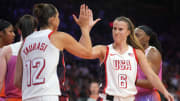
(163,16)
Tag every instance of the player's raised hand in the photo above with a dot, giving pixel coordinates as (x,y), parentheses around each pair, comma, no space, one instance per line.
(92,22)
(85,19)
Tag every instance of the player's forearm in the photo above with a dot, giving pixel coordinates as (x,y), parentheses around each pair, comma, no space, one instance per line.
(144,84)
(156,82)
(17,81)
(85,39)
(18,75)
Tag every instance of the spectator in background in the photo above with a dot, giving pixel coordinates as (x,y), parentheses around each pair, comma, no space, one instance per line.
(94,91)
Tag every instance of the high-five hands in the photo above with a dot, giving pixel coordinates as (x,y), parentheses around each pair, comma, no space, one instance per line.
(85,19)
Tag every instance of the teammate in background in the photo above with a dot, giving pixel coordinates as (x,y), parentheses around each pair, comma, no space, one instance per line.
(94,91)
(119,61)
(38,58)
(25,26)
(148,39)
(6,37)
(6,33)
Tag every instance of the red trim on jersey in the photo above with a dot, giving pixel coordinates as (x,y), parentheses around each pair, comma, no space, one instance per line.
(134,50)
(107,52)
(50,34)
(63,67)
(23,41)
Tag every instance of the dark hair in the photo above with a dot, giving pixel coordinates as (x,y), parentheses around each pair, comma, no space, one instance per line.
(153,37)
(27,24)
(4,24)
(43,11)
(131,39)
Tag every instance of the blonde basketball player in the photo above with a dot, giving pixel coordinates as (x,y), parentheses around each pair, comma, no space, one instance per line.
(119,62)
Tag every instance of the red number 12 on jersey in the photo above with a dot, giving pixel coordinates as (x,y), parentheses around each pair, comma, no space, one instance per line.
(34,69)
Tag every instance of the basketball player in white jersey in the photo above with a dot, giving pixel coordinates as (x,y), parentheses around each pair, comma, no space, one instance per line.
(40,52)
(119,61)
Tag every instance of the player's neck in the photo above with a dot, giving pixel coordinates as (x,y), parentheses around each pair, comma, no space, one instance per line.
(47,27)
(120,46)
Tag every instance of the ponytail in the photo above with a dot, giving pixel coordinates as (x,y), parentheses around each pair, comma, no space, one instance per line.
(27,24)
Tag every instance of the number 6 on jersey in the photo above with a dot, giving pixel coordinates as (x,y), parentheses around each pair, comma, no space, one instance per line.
(122,79)
(35,68)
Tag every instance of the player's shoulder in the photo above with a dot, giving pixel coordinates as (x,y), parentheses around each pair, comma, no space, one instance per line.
(139,53)
(154,53)
(60,35)
(5,50)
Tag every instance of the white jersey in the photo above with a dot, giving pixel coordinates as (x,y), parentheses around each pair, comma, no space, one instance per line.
(148,49)
(15,48)
(120,72)
(40,58)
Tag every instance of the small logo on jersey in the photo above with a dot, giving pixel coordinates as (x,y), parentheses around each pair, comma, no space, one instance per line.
(112,54)
(130,54)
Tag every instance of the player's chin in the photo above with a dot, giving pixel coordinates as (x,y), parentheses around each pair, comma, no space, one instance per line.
(11,41)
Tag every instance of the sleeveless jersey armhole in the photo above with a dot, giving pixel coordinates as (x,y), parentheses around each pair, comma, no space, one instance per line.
(105,59)
(106,56)
(134,50)
(50,34)
(23,41)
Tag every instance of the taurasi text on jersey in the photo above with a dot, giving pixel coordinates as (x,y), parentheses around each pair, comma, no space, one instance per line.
(35,46)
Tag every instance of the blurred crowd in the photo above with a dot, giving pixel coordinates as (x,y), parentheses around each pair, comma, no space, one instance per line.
(80,73)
